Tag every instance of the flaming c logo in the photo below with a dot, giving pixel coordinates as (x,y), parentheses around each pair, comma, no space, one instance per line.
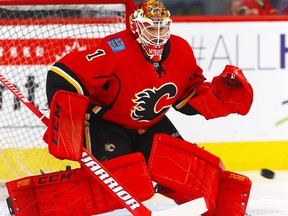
(151,103)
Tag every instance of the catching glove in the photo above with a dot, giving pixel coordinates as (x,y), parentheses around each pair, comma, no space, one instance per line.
(230,92)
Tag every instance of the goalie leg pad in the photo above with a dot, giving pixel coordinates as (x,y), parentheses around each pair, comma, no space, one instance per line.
(188,170)
(40,195)
(233,195)
(76,193)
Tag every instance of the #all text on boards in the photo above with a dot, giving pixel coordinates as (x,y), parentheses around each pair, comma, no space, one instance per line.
(258,53)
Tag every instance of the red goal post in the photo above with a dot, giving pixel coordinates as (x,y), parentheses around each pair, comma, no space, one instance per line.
(33,35)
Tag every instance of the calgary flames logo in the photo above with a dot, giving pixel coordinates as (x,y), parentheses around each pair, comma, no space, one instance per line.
(151,103)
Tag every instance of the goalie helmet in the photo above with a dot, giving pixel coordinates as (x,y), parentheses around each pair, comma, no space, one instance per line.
(150,23)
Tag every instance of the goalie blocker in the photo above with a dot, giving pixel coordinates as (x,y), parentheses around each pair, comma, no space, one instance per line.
(65,131)
(76,193)
(191,172)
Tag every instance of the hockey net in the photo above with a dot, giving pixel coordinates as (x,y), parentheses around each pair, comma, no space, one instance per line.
(33,35)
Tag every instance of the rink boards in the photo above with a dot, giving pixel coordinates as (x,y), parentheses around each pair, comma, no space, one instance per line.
(237,156)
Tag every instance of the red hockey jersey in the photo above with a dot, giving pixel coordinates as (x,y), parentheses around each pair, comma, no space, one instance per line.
(125,87)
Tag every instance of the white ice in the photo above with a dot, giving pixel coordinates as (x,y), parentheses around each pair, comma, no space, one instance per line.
(268,197)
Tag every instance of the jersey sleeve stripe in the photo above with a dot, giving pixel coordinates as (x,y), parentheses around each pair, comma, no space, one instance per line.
(183,102)
(67,77)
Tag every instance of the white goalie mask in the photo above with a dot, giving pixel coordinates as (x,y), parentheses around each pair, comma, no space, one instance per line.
(150,23)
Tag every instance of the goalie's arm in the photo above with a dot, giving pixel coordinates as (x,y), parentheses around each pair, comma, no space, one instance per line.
(91,77)
(60,77)
(74,72)
(228,93)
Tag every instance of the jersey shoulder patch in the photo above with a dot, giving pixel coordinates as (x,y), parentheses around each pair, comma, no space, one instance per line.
(116,44)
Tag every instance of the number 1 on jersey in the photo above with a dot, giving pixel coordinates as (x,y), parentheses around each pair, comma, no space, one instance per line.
(97,53)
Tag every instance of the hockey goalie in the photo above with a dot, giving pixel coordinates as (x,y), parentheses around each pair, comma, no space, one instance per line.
(129,82)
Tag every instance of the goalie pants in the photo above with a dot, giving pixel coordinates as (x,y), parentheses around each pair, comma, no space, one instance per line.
(108,140)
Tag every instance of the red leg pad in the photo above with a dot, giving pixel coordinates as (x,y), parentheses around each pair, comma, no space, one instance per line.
(76,193)
(233,195)
(188,170)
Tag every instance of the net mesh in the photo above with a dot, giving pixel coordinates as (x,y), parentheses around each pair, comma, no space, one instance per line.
(32,38)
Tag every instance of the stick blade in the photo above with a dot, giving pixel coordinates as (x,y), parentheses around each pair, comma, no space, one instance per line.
(193,208)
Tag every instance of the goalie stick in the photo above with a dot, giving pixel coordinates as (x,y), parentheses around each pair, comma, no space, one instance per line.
(118,191)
